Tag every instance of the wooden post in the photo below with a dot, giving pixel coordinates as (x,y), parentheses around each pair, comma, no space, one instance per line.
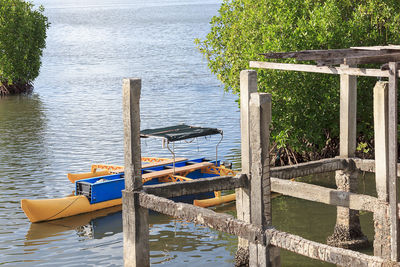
(381,140)
(347,232)
(392,158)
(260,183)
(381,219)
(248,85)
(348,114)
(135,218)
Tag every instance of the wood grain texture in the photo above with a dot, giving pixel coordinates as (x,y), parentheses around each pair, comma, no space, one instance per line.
(381,139)
(248,85)
(135,231)
(177,170)
(318,251)
(218,221)
(348,114)
(317,69)
(227,223)
(260,186)
(201,185)
(393,158)
(325,195)
(368,165)
(310,168)
(135,218)
(131,118)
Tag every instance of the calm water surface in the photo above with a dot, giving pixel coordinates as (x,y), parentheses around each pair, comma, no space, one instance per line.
(73,119)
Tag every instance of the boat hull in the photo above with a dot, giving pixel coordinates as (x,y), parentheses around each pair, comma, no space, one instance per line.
(38,210)
(104,189)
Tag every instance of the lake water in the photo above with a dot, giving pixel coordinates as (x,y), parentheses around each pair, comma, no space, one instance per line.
(74,119)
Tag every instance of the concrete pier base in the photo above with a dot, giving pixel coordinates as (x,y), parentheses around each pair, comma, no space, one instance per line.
(347,232)
(242,257)
(382,247)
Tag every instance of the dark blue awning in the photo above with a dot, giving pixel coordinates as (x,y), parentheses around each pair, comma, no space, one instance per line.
(179,132)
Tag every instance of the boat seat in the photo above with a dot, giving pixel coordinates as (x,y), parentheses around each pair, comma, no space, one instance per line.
(191,162)
(148,171)
(189,168)
(164,162)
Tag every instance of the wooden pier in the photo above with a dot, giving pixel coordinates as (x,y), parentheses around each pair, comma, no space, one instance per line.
(254,184)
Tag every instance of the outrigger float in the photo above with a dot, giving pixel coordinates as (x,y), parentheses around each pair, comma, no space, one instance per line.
(101,188)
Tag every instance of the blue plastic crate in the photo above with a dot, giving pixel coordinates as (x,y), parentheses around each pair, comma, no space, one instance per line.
(101,188)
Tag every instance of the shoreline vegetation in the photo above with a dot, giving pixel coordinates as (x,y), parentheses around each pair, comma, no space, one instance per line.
(15,88)
(287,156)
(22,40)
(305,109)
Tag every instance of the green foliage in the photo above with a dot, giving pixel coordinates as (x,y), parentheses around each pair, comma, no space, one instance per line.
(363,147)
(22,39)
(305,105)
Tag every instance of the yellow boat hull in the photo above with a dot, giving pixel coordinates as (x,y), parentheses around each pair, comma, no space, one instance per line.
(50,209)
(209,202)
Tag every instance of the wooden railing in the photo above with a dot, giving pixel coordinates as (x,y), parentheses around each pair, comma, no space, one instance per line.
(254,185)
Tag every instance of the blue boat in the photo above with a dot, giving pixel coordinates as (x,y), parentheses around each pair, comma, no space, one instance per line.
(99,192)
(104,188)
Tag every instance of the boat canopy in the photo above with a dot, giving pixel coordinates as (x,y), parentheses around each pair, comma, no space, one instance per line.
(179,132)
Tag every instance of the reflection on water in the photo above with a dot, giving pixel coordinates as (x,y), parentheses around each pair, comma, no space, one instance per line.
(98,224)
(81,223)
(168,236)
(22,124)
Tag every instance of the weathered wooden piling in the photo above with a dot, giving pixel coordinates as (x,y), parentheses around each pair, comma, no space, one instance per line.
(381,216)
(393,158)
(260,183)
(385,123)
(348,114)
(134,217)
(253,203)
(347,232)
(248,85)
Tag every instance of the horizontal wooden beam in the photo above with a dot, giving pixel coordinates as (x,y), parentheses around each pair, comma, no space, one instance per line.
(390,57)
(316,69)
(309,168)
(318,251)
(324,195)
(363,58)
(368,165)
(331,54)
(228,224)
(218,221)
(378,47)
(201,185)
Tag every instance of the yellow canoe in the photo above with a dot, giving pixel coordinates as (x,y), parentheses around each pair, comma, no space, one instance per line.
(50,209)
(38,210)
(209,202)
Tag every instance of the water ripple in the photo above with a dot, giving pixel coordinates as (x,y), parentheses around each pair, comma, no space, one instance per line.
(74,119)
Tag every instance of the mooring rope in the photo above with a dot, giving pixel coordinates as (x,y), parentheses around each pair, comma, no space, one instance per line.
(62,209)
